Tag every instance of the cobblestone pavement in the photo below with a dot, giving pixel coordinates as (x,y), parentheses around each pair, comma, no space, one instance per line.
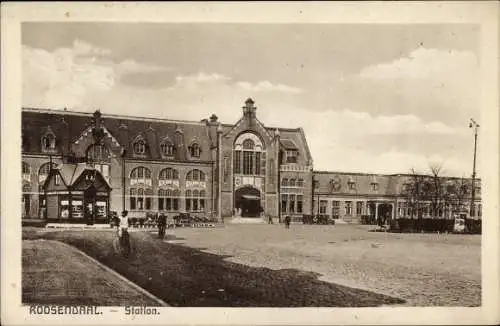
(423,269)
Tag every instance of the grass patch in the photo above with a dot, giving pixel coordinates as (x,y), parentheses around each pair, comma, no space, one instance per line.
(183,276)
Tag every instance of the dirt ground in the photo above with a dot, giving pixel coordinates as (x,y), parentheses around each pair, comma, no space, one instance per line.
(423,269)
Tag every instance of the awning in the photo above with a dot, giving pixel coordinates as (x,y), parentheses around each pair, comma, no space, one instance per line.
(251,197)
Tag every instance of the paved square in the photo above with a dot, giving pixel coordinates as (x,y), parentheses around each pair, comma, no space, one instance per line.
(424,269)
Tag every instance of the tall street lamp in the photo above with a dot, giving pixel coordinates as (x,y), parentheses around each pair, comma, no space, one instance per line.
(475,125)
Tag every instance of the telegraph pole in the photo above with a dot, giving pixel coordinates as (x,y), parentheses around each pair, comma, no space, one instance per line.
(475,125)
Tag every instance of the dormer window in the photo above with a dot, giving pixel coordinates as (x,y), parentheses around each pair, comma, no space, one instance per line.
(49,142)
(195,150)
(351,184)
(374,186)
(167,148)
(140,147)
(291,156)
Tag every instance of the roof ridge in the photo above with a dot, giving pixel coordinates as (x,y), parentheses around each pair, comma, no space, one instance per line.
(111,115)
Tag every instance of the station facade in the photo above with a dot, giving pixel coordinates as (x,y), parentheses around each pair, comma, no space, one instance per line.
(205,168)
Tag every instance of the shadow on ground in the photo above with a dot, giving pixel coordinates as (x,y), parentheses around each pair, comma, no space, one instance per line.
(187,277)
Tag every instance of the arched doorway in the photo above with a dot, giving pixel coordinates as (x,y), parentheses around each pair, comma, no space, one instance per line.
(384,213)
(247,199)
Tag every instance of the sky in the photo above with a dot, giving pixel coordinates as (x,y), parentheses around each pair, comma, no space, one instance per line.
(376,98)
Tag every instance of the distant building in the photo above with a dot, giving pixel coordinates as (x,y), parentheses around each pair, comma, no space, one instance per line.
(205,168)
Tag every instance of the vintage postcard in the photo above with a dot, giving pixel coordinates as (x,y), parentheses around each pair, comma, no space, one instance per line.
(250,163)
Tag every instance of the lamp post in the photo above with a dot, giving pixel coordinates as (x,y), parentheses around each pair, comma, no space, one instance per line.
(475,125)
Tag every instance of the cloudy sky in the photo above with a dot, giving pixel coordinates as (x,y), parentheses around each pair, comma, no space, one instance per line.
(371,98)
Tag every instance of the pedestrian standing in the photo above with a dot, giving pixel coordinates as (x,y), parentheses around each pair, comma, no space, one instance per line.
(162,224)
(287,221)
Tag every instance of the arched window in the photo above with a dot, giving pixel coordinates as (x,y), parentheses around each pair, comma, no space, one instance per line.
(99,157)
(291,183)
(195,175)
(140,192)
(140,147)
(300,183)
(247,154)
(98,154)
(167,148)
(49,141)
(140,174)
(284,182)
(169,174)
(195,200)
(195,150)
(26,169)
(43,172)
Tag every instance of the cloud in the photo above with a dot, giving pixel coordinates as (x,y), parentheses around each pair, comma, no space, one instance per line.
(83,77)
(83,48)
(266,86)
(62,78)
(68,77)
(425,63)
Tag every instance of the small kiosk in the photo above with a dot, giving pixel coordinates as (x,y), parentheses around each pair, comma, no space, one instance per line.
(76,193)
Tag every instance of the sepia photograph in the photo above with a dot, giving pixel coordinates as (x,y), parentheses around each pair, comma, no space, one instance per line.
(235,164)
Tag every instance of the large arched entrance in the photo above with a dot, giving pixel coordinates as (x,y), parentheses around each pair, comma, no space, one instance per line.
(247,200)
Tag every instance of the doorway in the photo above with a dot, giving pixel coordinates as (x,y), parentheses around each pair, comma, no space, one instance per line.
(89,199)
(247,199)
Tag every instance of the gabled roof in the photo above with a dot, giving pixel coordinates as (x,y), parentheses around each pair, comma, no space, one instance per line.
(124,129)
(71,173)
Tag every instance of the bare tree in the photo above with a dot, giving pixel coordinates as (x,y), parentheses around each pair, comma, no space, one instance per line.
(435,190)
(414,192)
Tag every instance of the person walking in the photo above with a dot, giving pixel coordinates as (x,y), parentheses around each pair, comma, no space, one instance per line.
(287,221)
(123,236)
(162,224)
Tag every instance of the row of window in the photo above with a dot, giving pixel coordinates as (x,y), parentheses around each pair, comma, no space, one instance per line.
(168,200)
(140,146)
(142,172)
(336,208)
(292,204)
(285,182)
(137,173)
(443,211)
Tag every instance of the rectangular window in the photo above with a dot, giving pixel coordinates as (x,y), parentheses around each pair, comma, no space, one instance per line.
(374,186)
(237,162)
(291,204)
(359,208)
(58,179)
(132,203)
(195,204)
(257,163)
(188,204)
(300,203)
(291,156)
(148,203)
(284,203)
(160,204)
(335,209)
(140,203)
(322,207)
(226,169)
(168,204)
(348,208)
(176,204)
(202,204)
